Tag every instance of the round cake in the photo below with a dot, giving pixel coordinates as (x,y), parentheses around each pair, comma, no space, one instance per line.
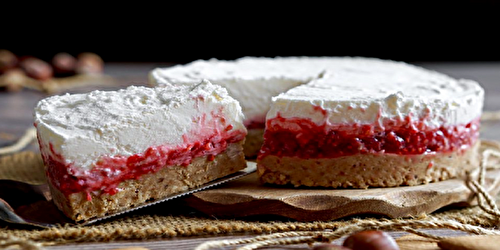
(347,122)
(372,123)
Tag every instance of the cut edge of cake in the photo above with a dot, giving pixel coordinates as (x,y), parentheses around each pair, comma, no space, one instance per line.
(170,180)
(213,150)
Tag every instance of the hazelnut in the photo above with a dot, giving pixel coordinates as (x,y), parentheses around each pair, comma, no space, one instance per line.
(7,60)
(328,246)
(371,240)
(64,64)
(36,68)
(89,63)
(12,80)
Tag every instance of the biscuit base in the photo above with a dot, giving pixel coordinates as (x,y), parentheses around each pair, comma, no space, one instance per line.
(368,170)
(167,181)
(253,142)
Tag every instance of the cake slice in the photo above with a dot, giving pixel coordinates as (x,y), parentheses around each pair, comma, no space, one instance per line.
(106,152)
(372,123)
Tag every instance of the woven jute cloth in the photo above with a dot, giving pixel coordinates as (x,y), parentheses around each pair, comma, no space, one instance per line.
(165,220)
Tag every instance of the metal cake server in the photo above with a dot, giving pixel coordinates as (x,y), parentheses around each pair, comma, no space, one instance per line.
(23,203)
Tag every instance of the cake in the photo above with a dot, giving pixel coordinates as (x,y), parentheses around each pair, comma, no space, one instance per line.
(347,122)
(372,123)
(252,81)
(107,151)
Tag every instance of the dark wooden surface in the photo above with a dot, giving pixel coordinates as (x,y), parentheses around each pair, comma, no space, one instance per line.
(16,115)
(248,197)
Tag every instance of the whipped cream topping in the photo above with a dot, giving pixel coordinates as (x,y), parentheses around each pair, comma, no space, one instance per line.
(350,90)
(251,81)
(372,91)
(83,127)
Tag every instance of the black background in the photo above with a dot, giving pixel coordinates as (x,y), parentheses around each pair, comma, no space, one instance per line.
(400,30)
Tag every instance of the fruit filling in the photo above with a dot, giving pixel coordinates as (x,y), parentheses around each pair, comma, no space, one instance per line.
(298,137)
(109,171)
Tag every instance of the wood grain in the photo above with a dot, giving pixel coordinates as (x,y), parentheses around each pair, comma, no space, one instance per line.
(415,242)
(248,197)
(475,242)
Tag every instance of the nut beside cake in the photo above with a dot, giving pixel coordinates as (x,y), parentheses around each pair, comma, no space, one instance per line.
(106,152)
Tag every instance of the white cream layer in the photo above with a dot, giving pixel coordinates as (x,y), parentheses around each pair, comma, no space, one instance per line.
(372,92)
(251,81)
(350,90)
(84,127)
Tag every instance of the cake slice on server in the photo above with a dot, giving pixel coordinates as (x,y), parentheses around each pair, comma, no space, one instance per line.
(106,152)
(372,123)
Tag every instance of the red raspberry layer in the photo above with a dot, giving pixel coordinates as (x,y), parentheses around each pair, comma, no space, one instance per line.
(108,172)
(298,137)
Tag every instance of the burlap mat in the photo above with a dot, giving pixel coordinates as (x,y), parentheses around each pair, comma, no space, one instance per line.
(164,220)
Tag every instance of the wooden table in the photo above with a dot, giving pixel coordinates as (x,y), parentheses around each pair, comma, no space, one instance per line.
(16,115)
